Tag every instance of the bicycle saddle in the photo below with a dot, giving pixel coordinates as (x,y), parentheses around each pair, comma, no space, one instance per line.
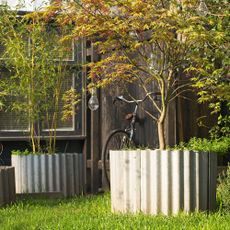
(129,117)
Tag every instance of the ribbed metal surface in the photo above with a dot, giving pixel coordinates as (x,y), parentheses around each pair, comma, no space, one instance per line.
(125,178)
(49,173)
(7,185)
(155,181)
(131,181)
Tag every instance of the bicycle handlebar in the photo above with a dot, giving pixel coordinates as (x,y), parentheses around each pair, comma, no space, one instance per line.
(121,98)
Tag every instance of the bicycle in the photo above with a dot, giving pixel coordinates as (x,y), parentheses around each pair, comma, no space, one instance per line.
(122,138)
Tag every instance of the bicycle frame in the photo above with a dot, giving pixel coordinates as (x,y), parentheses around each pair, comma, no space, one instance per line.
(131,128)
(121,138)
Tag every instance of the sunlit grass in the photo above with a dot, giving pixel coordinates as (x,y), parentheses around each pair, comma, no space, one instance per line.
(93,212)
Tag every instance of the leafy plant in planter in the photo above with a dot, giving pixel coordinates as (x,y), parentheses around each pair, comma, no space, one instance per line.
(220,146)
(34,75)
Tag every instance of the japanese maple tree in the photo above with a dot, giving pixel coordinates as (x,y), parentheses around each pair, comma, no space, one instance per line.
(153,43)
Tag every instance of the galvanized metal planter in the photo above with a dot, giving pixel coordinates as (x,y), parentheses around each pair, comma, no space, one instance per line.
(7,185)
(49,173)
(160,181)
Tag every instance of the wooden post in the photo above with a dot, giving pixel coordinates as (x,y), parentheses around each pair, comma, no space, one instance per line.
(95,146)
(86,144)
(170,124)
(85,178)
(179,120)
(94,136)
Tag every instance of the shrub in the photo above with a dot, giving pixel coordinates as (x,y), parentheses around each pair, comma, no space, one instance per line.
(21,152)
(222,128)
(223,190)
(220,146)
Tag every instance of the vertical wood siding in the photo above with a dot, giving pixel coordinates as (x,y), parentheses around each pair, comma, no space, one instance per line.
(181,123)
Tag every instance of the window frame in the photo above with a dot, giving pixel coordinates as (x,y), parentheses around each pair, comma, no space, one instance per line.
(79,57)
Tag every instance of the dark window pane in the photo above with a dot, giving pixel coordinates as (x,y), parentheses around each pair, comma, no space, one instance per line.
(49,118)
(11,120)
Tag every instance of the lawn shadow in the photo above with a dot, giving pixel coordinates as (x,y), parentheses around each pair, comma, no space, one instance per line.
(53,199)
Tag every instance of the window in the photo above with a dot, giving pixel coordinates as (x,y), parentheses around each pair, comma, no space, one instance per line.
(69,51)
(74,122)
(11,121)
(14,125)
(66,125)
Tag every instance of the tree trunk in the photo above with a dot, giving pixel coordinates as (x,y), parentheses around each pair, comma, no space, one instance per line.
(161,136)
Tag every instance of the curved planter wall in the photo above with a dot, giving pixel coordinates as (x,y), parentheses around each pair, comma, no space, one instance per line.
(7,185)
(158,181)
(49,173)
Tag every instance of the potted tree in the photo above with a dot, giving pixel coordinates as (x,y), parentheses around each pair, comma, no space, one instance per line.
(35,82)
(160,46)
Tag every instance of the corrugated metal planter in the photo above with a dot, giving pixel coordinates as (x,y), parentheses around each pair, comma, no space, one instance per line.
(49,173)
(7,185)
(160,181)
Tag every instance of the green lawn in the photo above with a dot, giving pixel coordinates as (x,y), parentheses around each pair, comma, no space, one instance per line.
(93,212)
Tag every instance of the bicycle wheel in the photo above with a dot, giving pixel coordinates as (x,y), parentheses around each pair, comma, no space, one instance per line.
(118,139)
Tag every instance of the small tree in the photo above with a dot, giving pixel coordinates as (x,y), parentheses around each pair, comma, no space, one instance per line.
(151,42)
(213,82)
(32,58)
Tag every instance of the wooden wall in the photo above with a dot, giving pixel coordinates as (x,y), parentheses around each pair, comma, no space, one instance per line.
(193,119)
(113,115)
(181,122)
